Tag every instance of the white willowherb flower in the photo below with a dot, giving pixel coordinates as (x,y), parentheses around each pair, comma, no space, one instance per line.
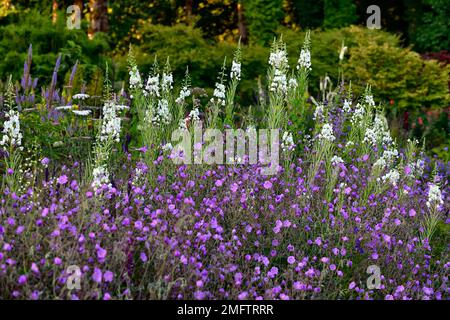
(219,93)
(64,108)
(184,93)
(82,112)
(287,142)
(81,96)
(379,133)
(11,130)
(349,144)
(135,78)
(278,59)
(347,106)
(183,124)
(194,115)
(416,168)
(434,197)
(318,113)
(279,82)
(167,82)
(358,114)
(100,177)
(304,60)
(235,73)
(110,123)
(387,158)
(392,176)
(368,99)
(152,86)
(327,133)
(162,114)
(292,84)
(122,107)
(167,147)
(336,160)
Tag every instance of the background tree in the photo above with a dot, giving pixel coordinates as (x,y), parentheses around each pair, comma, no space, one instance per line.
(432,33)
(263,19)
(98,16)
(306,15)
(339,13)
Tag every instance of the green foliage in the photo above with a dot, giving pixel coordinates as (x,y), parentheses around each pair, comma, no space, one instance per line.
(432,32)
(375,57)
(308,16)
(48,41)
(339,13)
(399,74)
(263,18)
(186,47)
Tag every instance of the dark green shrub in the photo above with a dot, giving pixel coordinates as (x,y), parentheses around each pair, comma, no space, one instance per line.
(48,40)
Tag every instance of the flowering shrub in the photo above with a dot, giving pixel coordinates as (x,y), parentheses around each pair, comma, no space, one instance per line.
(347,199)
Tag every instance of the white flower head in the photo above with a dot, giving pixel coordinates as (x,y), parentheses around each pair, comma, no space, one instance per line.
(152,86)
(100,177)
(435,199)
(11,130)
(347,106)
(327,133)
(110,123)
(304,60)
(392,176)
(167,81)
(287,142)
(82,112)
(81,96)
(235,73)
(135,78)
(184,93)
(219,93)
(335,161)
(162,114)
(278,59)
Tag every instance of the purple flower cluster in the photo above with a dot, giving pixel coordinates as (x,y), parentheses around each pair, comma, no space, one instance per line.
(222,232)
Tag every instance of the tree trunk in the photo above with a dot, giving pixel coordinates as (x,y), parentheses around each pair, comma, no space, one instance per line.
(98,16)
(54,11)
(188,7)
(241,23)
(79,3)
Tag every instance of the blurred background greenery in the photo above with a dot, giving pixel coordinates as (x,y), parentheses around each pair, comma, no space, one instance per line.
(406,62)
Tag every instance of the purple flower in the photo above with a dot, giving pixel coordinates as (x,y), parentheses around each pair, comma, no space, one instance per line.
(63,179)
(291,260)
(101,253)
(272,272)
(22,279)
(243,295)
(428,291)
(267,184)
(97,275)
(407,170)
(108,276)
